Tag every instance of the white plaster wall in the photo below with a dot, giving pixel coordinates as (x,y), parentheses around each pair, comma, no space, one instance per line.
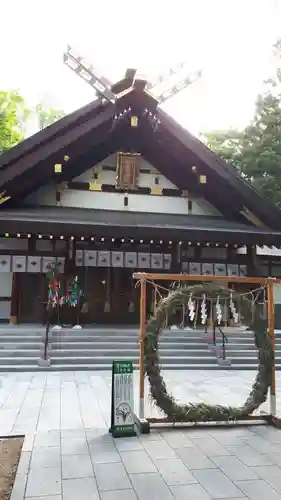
(144,180)
(5,309)
(115,201)
(6,280)
(136,203)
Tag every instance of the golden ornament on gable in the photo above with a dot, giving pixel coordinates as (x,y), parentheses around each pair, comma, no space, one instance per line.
(58,168)
(134,121)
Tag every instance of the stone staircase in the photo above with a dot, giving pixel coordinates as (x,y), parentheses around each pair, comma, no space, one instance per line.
(95,348)
(241,350)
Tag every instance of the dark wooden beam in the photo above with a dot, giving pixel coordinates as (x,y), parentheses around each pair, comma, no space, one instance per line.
(71,143)
(44,136)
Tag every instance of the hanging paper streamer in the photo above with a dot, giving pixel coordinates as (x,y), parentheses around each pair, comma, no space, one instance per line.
(75,292)
(218,311)
(233,310)
(203,310)
(264,305)
(191,308)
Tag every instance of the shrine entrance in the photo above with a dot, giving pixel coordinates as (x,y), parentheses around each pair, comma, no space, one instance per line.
(32,293)
(110,297)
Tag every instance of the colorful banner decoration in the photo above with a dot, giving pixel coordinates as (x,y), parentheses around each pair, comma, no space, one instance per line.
(62,290)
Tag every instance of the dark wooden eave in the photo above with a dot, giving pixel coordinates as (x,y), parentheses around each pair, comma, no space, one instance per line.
(84,222)
(89,135)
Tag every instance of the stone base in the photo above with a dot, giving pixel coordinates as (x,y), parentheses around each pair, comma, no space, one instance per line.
(13,320)
(44,362)
(224,362)
(125,433)
(142,425)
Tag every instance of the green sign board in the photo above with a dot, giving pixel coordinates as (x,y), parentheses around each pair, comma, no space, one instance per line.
(122,399)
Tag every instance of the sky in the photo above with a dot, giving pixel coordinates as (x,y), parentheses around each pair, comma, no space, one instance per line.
(230,40)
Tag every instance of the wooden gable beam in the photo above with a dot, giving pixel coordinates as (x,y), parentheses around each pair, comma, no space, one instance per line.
(241,190)
(72,142)
(75,167)
(42,137)
(251,217)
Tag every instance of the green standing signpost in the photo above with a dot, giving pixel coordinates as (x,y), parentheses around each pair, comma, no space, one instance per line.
(122,400)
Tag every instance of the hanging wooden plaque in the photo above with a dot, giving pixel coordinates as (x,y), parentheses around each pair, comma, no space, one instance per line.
(127,170)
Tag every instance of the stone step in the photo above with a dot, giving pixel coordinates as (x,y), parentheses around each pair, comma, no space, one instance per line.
(57,368)
(249,360)
(19,338)
(247,353)
(20,345)
(128,345)
(112,353)
(22,360)
(187,360)
(7,353)
(115,353)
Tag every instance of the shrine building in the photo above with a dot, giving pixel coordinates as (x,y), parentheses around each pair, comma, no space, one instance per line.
(116,187)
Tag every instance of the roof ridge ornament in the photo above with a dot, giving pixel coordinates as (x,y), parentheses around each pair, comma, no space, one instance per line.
(163,88)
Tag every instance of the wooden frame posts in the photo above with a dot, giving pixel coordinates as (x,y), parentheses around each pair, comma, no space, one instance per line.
(266,282)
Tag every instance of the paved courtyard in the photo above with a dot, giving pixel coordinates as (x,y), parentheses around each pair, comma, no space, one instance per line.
(69,455)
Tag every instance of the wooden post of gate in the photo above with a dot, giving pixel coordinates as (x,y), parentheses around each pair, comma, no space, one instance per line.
(271,324)
(142,341)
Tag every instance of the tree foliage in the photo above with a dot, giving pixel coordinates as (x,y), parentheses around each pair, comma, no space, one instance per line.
(11,105)
(16,117)
(256,151)
(47,115)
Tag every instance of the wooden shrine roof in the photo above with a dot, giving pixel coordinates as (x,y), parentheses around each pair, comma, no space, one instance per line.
(97,130)
(84,222)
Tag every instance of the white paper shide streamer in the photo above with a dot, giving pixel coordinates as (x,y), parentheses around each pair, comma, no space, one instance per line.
(203,310)
(191,308)
(233,310)
(218,311)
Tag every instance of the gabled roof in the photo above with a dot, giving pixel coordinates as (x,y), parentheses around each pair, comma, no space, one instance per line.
(95,131)
(108,223)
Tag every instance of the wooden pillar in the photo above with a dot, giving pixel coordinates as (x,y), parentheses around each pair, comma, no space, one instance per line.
(176,258)
(271,322)
(14,314)
(252,260)
(142,341)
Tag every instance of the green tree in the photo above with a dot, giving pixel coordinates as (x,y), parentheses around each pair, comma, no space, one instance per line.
(47,115)
(256,151)
(11,107)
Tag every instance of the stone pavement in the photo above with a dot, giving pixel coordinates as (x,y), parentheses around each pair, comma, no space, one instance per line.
(69,455)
